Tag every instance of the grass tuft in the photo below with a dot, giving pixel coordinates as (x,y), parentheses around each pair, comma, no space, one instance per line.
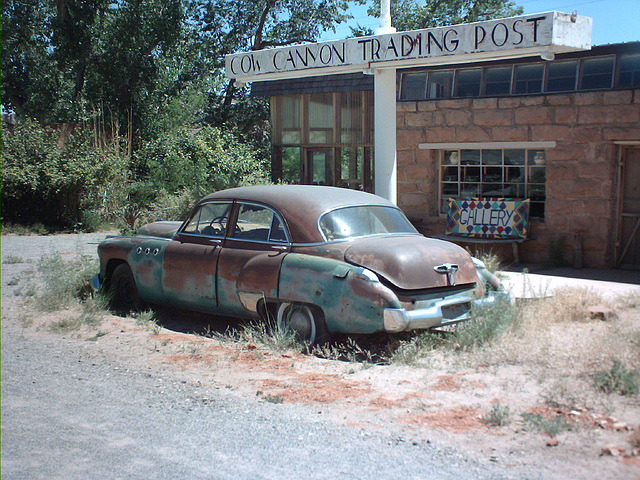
(265,333)
(277,399)
(65,283)
(497,416)
(148,319)
(12,260)
(552,425)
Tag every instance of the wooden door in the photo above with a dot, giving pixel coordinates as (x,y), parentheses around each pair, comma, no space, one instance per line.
(628,242)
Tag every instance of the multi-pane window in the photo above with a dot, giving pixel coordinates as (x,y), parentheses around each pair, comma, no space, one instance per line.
(561,76)
(502,173)
(468,82)
(439,84)
(593,73)
(528,78)
(329,140)
(597,73)
(497,81)
(629,71)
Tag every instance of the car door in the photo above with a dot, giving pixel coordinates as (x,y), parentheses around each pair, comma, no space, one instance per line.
(249,263)
(191,258)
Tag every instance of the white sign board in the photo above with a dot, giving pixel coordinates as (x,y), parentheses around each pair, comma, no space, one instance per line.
(551,32)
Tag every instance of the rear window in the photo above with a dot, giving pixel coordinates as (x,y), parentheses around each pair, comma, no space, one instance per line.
(363,221)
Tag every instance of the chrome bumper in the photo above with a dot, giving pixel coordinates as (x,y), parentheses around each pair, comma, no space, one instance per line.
(442,312)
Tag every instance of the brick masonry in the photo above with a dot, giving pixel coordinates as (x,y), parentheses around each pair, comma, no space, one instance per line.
(582,170)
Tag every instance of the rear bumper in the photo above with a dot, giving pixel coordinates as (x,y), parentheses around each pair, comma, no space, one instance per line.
(440,313)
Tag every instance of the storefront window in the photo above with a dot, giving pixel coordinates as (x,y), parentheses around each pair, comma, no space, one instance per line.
(291,166)
(291,119)
(321,118)
(495,173)
(328,140)
(351,118)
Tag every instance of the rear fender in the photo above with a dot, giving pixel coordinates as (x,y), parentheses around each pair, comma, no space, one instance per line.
(351,302)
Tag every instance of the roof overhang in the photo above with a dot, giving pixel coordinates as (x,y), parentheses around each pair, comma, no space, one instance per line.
(544,34)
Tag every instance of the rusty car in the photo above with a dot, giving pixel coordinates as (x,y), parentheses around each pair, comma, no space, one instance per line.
(317,260)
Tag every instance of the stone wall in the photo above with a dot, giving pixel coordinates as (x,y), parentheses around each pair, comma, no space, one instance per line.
(581,172)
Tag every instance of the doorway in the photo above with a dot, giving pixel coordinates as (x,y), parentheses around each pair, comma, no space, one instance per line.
(319,167)
(628,238)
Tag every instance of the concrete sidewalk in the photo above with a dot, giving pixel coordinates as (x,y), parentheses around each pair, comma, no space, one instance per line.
(608,283)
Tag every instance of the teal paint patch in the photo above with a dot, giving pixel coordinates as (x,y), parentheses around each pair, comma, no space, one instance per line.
(349,303)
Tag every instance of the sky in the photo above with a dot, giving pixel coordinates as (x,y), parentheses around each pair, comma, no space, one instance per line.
(614,21)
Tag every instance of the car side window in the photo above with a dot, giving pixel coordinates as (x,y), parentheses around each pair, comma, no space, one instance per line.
(209,219)
(259,223)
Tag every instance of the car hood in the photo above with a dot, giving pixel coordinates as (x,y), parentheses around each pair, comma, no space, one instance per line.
(408,261)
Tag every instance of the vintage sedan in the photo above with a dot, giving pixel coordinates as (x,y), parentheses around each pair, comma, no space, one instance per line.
(318,260)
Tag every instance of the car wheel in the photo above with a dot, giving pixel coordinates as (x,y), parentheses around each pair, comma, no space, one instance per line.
(123,291)
(307,322)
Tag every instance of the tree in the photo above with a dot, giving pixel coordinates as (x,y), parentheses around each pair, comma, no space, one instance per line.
(31,82)
(242,25)
(416,14)
(64,60)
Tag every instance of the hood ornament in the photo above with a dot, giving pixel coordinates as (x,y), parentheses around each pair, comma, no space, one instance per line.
(450,270)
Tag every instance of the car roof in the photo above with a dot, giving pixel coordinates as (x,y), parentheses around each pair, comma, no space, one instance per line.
(300,205)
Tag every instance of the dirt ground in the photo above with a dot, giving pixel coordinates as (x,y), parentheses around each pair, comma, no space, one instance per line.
(445,406)
(446,402)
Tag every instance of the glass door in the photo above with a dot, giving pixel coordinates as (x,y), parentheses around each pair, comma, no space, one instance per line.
(319,167)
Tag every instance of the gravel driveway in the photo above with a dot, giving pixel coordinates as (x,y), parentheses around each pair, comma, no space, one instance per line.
(74,410)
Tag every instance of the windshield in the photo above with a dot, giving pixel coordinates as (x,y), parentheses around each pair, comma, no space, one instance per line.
(363,221)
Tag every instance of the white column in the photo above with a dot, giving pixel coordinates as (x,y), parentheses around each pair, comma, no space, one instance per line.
(384,105)
(385,134)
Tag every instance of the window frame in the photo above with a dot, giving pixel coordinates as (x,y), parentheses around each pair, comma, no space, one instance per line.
(231,232)
(528,166)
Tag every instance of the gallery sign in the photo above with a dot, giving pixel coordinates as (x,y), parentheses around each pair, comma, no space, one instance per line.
(550,32)
(495,218)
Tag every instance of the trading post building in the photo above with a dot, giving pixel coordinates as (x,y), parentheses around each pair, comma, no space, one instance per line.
(452,118)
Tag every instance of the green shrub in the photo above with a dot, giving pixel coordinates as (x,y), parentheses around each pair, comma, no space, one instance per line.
(199,162)
(52,184)
(617,379)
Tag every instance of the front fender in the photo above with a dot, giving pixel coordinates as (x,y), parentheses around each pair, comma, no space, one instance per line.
(144,256)
(351,302)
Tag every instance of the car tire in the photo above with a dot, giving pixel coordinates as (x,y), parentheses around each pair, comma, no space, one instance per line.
(123,291)
(306,321)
